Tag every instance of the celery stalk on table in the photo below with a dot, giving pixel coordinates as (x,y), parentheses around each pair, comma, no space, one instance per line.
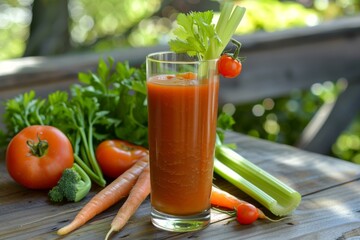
(269,191)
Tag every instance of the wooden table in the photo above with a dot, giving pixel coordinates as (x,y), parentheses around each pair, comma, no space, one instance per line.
(330,208)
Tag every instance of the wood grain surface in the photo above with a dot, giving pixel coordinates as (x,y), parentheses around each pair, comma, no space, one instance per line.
(330,208)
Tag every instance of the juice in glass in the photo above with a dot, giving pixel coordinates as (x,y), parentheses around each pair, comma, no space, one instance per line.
(182,104)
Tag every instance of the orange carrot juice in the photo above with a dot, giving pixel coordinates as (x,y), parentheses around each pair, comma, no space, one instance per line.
(182,129)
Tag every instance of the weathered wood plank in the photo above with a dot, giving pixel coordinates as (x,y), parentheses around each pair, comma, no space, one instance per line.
(329,214)
(329,210)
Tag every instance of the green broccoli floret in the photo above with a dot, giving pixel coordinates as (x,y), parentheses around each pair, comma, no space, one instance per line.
(56,195)
(73,185)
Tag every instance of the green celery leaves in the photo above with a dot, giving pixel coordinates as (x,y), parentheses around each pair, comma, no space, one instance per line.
(194,32)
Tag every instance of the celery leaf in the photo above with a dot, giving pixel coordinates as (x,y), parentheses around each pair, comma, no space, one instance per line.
(193,34)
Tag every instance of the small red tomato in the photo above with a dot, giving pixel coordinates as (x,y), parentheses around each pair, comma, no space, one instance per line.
(246,213)
(228,66)
(117,156)
(37,156)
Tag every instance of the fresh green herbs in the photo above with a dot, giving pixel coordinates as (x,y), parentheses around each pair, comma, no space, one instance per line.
(194,33)
(197,35)
(106,104)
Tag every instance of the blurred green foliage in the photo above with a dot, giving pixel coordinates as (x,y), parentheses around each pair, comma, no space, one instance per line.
(15,17)
(348,144)
(108,24)
(94,25)
(272,15)
(99,25)
(283,119)
(112,23)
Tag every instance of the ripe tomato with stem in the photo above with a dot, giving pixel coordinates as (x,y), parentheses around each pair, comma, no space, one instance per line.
(37,156)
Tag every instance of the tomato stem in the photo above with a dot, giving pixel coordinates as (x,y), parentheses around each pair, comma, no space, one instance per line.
(237,50)
(38,148)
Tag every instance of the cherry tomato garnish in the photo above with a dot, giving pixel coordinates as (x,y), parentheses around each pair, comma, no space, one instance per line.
(229,67)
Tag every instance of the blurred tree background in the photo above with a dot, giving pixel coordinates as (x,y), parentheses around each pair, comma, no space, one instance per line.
(44,27)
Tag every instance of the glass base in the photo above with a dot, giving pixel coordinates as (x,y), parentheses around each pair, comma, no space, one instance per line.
(180,223)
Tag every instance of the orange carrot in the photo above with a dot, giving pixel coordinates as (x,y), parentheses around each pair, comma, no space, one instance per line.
(221,198)
(111,194)
(137,195)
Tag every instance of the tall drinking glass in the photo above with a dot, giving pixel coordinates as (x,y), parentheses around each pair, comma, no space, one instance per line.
(182,103)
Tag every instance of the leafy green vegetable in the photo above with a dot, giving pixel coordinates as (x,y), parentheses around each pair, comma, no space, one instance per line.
(197,35)
(224,122)
(194,33)
(22,111)
(122,93)
(105,104)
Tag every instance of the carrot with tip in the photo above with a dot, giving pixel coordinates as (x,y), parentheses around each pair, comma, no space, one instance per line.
(137,195)
(107,197)
(246,212)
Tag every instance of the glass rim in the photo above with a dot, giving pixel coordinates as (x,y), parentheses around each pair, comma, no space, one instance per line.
(150,57)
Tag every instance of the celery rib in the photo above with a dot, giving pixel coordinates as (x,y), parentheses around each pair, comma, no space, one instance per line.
(229,20)
(227,27)
(269,191)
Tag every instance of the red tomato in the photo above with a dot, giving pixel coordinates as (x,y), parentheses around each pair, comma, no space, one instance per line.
(37,156)
(246,213)
(229,67)
(117,156)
